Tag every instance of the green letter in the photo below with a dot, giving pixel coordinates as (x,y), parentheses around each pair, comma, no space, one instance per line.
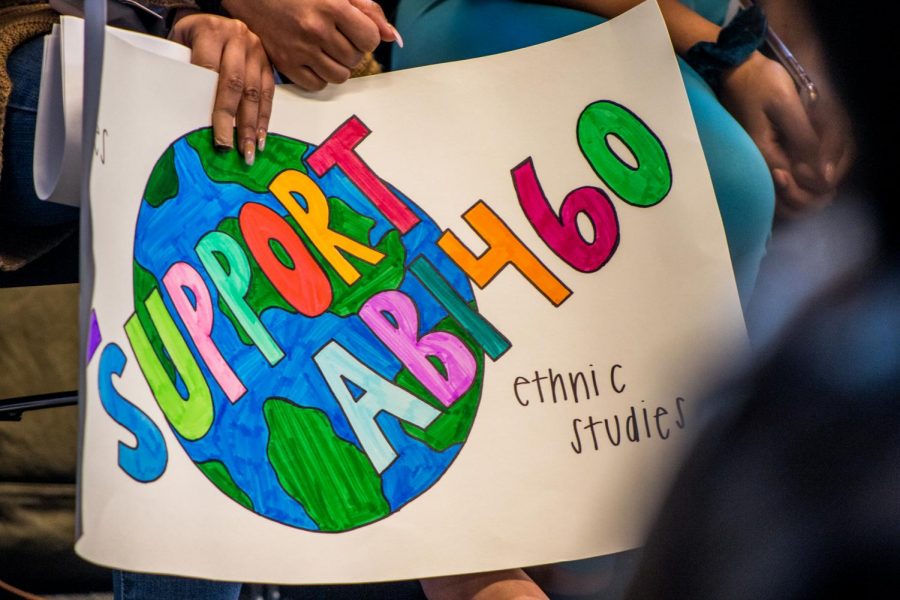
(192,416)
(234,285)
(644,185)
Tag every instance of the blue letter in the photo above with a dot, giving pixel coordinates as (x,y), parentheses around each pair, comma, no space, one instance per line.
(146,460)
(336,365)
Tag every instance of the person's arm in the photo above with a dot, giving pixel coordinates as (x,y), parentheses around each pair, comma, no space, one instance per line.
(808,152)
(792,20)
(315,42)
(511,584)
(685,26)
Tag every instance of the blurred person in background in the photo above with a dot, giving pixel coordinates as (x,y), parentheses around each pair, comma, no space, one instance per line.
(794,492)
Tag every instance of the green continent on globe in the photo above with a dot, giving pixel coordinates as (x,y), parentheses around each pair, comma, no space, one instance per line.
(163,183)
(229,167)
(218,473)
(331,478)
(453,426)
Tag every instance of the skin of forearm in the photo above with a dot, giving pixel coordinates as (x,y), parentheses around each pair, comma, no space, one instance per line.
(507,585)
(793,23)
(685,26)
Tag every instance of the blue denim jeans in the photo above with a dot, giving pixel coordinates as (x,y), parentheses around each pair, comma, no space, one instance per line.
(140,586)
(18,203)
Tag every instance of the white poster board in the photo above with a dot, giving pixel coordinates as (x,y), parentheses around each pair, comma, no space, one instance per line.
(380,352)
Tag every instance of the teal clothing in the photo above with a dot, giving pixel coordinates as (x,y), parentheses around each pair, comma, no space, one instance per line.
(438,31)
(713,10)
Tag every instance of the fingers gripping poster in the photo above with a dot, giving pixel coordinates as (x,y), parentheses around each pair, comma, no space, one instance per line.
(452,319)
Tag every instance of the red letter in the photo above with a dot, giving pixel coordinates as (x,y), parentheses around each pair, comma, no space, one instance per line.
(303,284)
(338,150)
(561,232)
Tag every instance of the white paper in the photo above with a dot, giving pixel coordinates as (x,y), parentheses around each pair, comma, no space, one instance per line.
(647,330)
(50,128)
(57,139)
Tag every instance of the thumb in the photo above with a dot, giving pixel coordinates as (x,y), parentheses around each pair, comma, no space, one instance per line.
(800,140)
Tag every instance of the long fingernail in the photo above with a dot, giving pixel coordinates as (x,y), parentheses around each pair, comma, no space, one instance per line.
(399,38)
(249,152)
(261,140)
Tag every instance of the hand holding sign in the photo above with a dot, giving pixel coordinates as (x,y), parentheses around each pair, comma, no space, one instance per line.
(246,82)
(315,42)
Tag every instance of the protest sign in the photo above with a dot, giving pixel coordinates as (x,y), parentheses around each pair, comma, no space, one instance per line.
(452,319)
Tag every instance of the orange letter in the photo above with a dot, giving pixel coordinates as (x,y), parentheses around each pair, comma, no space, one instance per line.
(314,221)
(504,248)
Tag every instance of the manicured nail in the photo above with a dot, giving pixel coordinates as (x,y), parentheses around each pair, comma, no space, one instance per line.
(829,173)
(249,152)
(261,140)
(221,147)
(399,38)
(781,178)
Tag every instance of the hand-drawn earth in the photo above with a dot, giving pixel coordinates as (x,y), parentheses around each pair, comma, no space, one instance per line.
(285,450)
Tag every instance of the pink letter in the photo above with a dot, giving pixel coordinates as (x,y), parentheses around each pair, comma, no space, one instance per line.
(199,320)
(392,317)
(561,232)
(338,150)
